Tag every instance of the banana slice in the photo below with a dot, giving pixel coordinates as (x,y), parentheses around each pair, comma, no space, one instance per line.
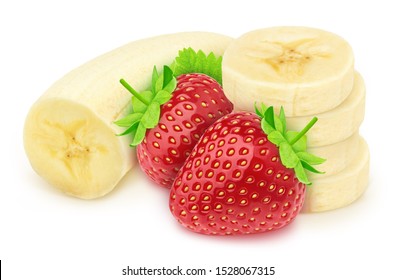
(338,156)
(305,70)
(341,189)
(337,124)
(69,135)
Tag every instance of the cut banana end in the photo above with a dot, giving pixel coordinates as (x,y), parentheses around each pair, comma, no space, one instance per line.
(341,189)
(305,70)
(338,156)
(337,124)
(73,149)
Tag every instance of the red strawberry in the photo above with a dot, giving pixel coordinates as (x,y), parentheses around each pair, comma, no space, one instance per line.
(234,181)
(194,105)
(197,102)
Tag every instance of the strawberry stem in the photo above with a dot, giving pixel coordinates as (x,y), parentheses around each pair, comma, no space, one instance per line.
(304,131)
(134,92)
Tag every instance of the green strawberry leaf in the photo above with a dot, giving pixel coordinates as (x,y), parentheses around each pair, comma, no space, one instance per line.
(199,62)
(309,167)
(171,85)
(278,124)
(263,108)
(269,117)
(190,61)
(271,121)
(258,112)
(154,79)
(138,105)
(130,130)
(159,84)
(139,135)
(310,158)
(162,97)
(151,116)
(166,81)
(287,155)
(282,119)
(268,122)
(301,144)
(276,137)
(168,76)
(129,120)
(266,127)
(146,106)
(301,174)
(292,144)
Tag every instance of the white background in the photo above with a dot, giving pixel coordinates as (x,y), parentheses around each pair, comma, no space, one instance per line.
(46,235)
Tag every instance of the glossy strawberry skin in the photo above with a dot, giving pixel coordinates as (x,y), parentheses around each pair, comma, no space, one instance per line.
(234,183)
(197,102)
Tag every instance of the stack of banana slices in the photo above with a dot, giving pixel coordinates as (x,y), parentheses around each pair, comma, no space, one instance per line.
(309,72)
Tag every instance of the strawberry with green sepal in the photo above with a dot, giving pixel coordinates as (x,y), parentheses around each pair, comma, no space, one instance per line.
(235,180)
(168,120)
(292,144)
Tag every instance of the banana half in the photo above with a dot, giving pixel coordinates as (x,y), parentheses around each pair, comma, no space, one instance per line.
(305,70)
(341,189)
(74,149)
(337,124)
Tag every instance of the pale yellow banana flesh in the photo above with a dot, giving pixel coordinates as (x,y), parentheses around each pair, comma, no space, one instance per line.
(305,70)
(69,135)
(73,149)
(337,124)
(338,156)
(341,189)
